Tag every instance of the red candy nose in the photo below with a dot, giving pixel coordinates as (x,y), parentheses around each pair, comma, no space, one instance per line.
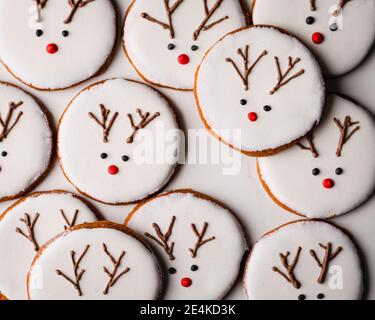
(183,59)
(317,38)
(186,282)
(328,183)
(252,116)
(113,170)
(52,48)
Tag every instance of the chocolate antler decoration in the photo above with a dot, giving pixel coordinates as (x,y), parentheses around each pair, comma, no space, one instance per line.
(69,223)
(311,145)
(30,224)
(344,134)
(282,78)
(247,69)
(78,273)
(312,5)
(6,125)
(289,275)
(169,10)
(40,4)
(75,5)
(340,6)
(113,277)
(105,124)
(145,119)
(200,239)
(328,257)
(208,14)
(163,239)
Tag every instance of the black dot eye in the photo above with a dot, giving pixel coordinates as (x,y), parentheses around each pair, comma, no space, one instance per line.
(39,33)
(320,296)
(301,297)
(104,155)
(243,102)
(172,270)
(4,154)
(333,27)
(171,46)
(267,108)
(125,158)
(65,33)
(339,171)
(315,171)
(194,267)
(310,20)
(194,48)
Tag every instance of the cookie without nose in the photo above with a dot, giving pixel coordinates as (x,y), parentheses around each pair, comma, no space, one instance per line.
(113,261)
(26,136)
(27,225)
(302,246)
(260,107)
(199,241)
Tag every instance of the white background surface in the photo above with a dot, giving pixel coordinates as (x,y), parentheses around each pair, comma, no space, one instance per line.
(242,193)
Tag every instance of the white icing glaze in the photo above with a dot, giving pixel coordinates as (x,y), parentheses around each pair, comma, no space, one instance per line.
(218,260)
(296,107)
(344,280)
(141,282)
(92,33)
(17,251)
(343,49)
(289,174)
(28,145)
(80,154)
(146,42)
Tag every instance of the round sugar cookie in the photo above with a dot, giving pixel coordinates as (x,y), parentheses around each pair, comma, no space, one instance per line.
(339,32)
(26,142)
(118,141)
(332,171)
(166,40)
(111,262)
(304,260)
(27,225)
(44,43)
(200,242)
(259,90)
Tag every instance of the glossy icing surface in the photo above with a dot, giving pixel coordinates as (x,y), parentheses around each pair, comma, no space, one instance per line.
(270,109)
(16,251)
(53,58)
(298,179)
(347,38)
(212,270)
(344,277)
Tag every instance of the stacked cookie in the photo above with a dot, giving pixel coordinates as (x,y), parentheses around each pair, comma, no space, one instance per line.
(266,80)
(308,144)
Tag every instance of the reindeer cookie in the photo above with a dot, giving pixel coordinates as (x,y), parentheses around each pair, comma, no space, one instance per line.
(263,84)
(332,171)
(27,225)
(127,145)
(200,242)
(26,142)
(44,42)
(166,39)
(305,260)
(95,261)
(339,32)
